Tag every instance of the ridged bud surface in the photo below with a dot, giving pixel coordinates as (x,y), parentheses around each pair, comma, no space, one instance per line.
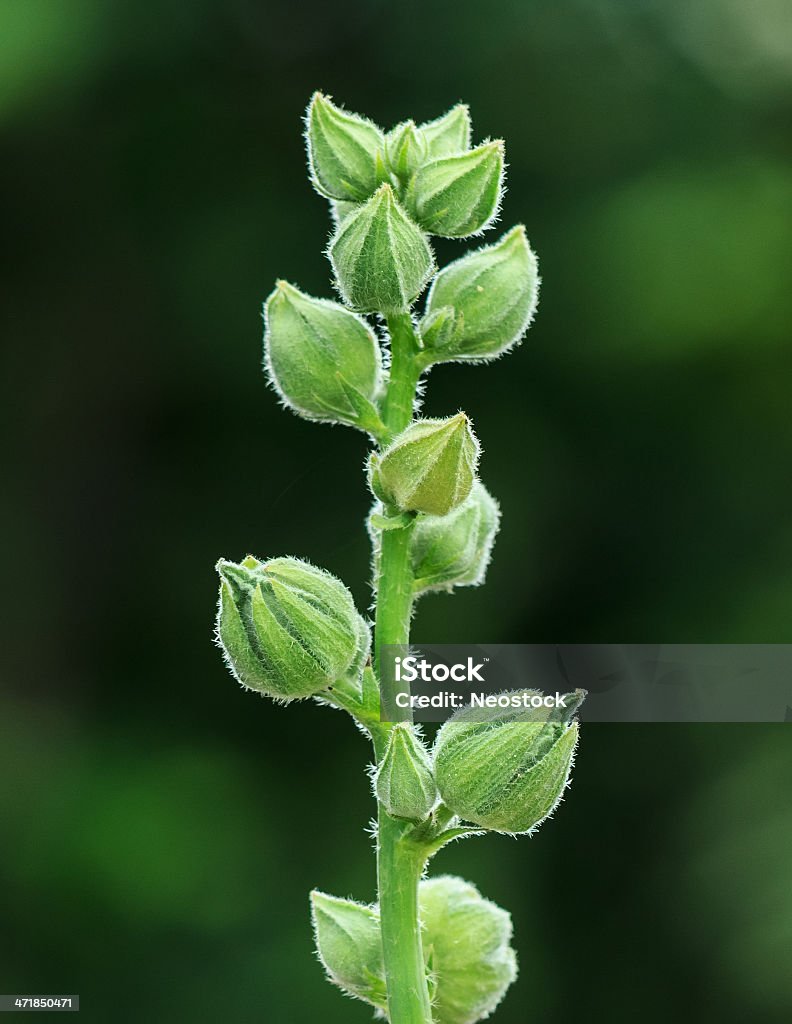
(454,550)
(322,359)
(404,782)
(456,196)
(467,943)
(381,259)
(405,150)
(288,629)
(430,467)
(506,773)
(344,151)
(493,293)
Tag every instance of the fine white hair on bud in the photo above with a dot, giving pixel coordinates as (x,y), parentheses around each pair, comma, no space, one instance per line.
(404,783)
(345,151)
(323,360)
(481,305)
(448,134)
(469,959)
(430,467)
(288,629)
(508,771)
(456,196)
(454,550)
(382,261)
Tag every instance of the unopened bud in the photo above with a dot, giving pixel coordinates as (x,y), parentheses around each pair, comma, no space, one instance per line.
(381,259)
(459,195)
(508,772)
(405,150)
(323,360)
(288,629)
(467,944)
(493,293)
(454,550)
(448,134)
(349,944)
(404,782)
(344,151)
(430,467)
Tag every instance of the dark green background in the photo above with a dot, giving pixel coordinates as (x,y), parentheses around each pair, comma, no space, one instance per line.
(160,828)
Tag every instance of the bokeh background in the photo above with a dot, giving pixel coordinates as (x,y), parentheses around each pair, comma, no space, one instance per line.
(159,828)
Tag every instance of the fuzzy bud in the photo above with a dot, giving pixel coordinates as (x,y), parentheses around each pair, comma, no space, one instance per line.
(467,944)
(405,150)
(430,467)
(288,629)
(448,134)
(459,195)
(348,942)
(381,260)
(507,772)
(344,151)
(323,360)
(493,293)
(454,550)
(404,782)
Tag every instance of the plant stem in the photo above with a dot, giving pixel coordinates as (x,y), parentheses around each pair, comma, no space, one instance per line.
(399,861)
(397,409)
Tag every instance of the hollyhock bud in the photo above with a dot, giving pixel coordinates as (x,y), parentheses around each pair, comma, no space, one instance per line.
(288,629)
(456,196)
(404,782)
(344,151)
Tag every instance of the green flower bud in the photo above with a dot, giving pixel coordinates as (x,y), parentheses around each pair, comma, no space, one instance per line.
(466,941)
(340,210)
(323,361)
(288,629)
(405,150)
(430,467)
(493,293)
(348,942)
(508,772)
(448,134)
(344,151)
(459,195)
(404,782)
(454,550)
(381,260)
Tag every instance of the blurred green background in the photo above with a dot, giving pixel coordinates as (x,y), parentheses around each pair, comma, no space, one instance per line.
(159,828)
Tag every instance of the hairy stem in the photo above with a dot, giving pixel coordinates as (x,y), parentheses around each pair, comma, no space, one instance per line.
(397,408)
(399,862)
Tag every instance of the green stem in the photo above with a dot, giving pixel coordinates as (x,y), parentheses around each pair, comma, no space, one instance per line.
(397,408)
(399,861)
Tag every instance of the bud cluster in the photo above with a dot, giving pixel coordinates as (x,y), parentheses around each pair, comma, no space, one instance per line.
(469,959)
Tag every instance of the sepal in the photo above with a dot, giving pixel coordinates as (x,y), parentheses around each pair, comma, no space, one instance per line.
(349,945)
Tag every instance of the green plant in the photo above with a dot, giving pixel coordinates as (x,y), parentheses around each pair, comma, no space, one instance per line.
(429,950)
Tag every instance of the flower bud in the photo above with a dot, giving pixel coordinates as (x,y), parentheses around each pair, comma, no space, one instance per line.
(448,134)
(405,150)
(323,360)
(343,151)
(430,467)
(404,782)
(454,550)
(459,195)
(508,771)
(493,293)
(288,629)
(348,942)
(466,940)
(381,260)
